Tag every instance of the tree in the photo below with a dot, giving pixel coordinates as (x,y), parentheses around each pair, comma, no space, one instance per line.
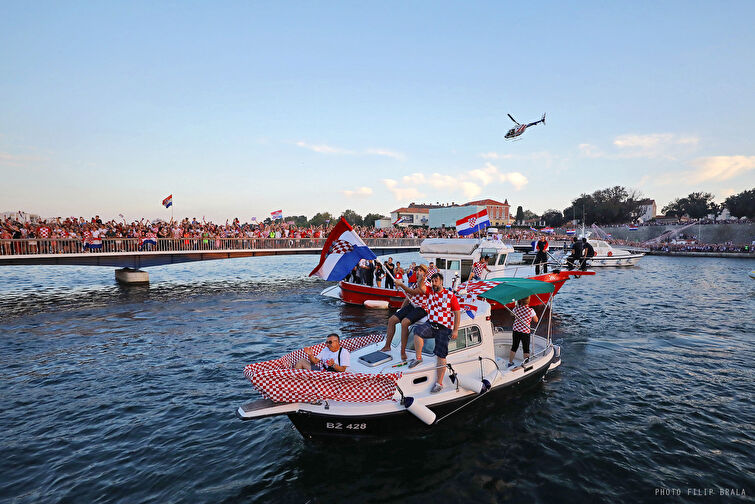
(370,218)
(529,214)
(352,217)
(519,214)
(612,205)
(700,204)
(320,219)
(696,205)
(742,204)
(553,218)
(299,220)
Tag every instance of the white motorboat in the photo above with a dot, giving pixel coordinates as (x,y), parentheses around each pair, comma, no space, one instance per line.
(606,255)
(379,395)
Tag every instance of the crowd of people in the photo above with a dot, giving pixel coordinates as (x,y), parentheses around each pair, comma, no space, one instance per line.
(728,247)
(76,234)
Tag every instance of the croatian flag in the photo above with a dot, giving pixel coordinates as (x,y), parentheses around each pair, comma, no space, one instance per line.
(167,202)
(473,223)
(633,228)
(469,309)
(342,251)
(398,221)
(508,225)
(547,230)
(278,214)
(571,231)
(533,229)
(147,240)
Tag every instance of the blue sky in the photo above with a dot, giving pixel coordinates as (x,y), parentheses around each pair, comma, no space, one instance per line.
(239,109)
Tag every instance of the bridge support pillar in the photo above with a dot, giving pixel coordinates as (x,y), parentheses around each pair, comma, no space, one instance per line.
(131,276)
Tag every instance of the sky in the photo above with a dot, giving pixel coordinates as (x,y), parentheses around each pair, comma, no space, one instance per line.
(238,109)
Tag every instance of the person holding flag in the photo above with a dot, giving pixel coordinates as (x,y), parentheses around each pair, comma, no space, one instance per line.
(342,251)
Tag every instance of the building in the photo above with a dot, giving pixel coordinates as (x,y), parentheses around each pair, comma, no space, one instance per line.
(447,216)
(413,215)
(647,210)
(498,212)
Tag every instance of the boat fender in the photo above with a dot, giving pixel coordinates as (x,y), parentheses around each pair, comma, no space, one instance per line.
(473,384)
(374,303)
(610,253)
(492,377)
(419,410)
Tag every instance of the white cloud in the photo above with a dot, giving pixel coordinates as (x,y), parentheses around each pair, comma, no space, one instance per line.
(470,189)
(387,153)
(323,149)
(402,193)
(496,155)
(516,179)
(360,191)
(720,168)
(650,146)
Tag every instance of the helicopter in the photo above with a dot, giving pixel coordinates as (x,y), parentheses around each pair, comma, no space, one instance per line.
(515,132)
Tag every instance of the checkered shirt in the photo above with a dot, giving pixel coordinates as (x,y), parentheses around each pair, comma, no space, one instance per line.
(420,300)
(478,268)
(440,307)
(431,271)
(523,318)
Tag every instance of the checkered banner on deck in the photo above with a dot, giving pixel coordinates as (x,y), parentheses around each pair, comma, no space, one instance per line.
(278,382)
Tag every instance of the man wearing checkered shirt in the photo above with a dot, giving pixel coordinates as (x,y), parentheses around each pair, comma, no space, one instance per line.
(443,313)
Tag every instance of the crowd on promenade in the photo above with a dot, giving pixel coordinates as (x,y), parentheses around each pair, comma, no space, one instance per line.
(71,234)
(728,247)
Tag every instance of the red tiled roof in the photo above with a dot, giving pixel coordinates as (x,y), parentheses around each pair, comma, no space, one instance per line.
(486,202)
(412,210)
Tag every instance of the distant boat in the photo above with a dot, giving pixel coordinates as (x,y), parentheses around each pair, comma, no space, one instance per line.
(752,274)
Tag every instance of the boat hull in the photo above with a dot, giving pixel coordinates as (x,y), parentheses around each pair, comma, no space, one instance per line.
(322,426)
(616,260)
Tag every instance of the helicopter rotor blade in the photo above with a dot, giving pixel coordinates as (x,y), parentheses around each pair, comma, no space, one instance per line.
(513,119)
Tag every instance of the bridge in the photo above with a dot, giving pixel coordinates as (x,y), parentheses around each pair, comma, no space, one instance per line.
(132,254)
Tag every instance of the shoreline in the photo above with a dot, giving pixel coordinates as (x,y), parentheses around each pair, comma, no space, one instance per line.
(725,255)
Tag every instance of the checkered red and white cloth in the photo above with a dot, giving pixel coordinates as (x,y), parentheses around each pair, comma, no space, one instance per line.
(277,381)
(440,307)
(431,271)
(44,232)
(523,318)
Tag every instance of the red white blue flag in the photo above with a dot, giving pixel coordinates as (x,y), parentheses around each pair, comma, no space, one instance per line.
(278,214)
(342,251)
(167,202)
(399,221)
(571,231)
(473,223)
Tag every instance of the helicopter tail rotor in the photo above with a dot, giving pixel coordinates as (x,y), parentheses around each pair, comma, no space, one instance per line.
(543,119)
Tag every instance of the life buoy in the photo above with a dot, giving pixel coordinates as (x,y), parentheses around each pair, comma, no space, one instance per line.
(610,253)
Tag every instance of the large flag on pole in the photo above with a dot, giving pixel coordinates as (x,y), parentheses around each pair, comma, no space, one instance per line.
(167,202)
(473,223)
(342,251)
(278,214)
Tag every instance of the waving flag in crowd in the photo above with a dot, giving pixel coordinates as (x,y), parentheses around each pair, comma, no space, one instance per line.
(473,223)
(342,251)
(547,230)
(571,231)
(535,230)
(167,202)
(399,221)
(278,214)
(633,228)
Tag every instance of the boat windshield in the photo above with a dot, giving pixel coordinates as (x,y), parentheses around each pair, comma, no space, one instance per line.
(468,336)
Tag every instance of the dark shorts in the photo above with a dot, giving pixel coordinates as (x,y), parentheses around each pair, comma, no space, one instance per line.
(410,312)
(440,333)
(524,338)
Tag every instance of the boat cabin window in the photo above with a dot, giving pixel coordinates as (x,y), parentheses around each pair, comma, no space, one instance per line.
(468,337)
(446,264)
(491,253)
(502,259)
(466,268)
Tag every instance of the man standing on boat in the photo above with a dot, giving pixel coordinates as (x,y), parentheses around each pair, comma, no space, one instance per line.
(389,274)
(576,253)
(443,313)
(478,268)
(541,259)
(411,311)
(588,252)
